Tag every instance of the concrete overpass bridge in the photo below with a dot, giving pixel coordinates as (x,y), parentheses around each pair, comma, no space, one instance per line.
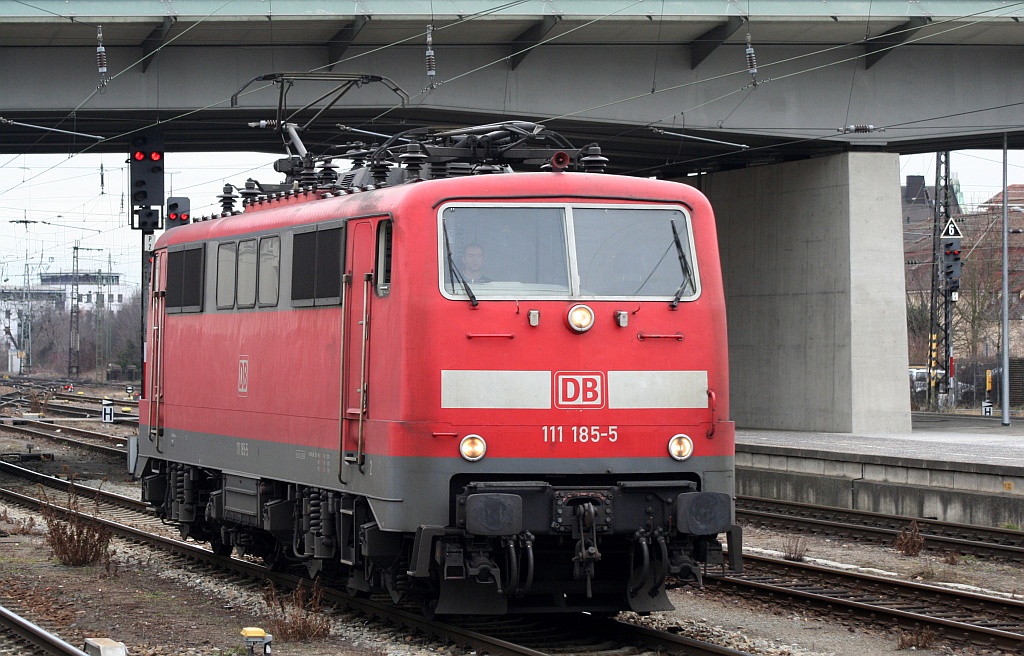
(808,207)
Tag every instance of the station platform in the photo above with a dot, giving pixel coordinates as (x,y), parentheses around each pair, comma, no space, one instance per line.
(955,468)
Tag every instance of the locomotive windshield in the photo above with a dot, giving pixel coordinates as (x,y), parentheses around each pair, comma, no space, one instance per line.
(499,252)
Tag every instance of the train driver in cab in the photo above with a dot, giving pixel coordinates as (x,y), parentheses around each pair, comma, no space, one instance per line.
(473,264)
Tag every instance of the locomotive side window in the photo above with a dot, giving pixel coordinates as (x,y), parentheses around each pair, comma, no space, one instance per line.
(329,249)
(185,279)
(567,251)
(174,266)
(303,267)
(226,276)
(246,283)
(382,272)
(269,268)
(317,259)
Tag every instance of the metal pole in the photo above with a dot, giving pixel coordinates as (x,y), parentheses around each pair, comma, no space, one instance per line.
(1005,378)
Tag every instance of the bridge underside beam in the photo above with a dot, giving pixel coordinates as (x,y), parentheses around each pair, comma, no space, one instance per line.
(708,42)
(341,41)
(524,44)
(157,38)
(884,44)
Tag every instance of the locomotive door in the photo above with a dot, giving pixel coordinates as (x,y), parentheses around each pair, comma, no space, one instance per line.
(358,283)
(155,327)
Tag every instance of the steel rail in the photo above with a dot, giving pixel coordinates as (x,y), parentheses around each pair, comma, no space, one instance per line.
(880,527)
(886,600)
(41,640)
(91,446)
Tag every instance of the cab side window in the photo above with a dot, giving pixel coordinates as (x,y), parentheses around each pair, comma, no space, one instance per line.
(226,276)
(185,279)
(318,258)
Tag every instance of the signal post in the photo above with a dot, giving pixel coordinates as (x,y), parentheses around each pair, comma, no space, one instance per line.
(146,168)
(146,172)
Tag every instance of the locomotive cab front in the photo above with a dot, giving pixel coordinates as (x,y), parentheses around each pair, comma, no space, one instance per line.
(581,381)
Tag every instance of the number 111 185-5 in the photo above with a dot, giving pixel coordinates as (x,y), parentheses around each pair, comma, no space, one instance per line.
(580,434)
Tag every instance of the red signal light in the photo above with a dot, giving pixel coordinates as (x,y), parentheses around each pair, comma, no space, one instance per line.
(184,216)
(156,156)
(138,155)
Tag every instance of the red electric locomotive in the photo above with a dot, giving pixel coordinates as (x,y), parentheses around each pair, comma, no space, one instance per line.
(484,390)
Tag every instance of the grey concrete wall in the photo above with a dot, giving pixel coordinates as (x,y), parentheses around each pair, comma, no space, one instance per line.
(969,493)
(812,256)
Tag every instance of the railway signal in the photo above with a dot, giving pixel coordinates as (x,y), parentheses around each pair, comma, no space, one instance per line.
(178,211)
(951,263)
(146,167)
(147,219)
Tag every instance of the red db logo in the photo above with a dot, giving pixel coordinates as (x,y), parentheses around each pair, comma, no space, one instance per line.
(243,375)
(579,389)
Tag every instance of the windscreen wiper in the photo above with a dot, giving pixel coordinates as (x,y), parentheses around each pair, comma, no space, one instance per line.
(684,265)
(453,271)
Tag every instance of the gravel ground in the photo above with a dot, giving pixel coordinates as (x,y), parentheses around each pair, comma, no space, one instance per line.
(158,609)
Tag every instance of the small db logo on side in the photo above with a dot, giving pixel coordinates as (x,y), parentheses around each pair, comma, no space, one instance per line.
(579,389)
(243,375)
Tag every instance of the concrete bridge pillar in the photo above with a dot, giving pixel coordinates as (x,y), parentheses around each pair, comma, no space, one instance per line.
(812,256)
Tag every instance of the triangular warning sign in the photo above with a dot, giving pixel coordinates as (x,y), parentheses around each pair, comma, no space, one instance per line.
(951,231)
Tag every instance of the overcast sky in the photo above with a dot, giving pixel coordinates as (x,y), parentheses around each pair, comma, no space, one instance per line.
(70,203)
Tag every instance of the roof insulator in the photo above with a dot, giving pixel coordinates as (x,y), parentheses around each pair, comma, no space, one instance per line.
(413,159)
(227,200)
(486,169)
(379,170)
(594,161)
(459,169)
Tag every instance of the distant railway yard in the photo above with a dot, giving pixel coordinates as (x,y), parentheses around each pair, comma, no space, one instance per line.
(953,590)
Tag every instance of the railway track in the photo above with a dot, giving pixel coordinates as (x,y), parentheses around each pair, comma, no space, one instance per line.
(880,528)
(506,636)
(40,397)
(89,440)
(20,636)
(959,616)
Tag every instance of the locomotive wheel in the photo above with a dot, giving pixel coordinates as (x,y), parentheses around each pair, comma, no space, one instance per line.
(274,558)
(220,547)
(429,608)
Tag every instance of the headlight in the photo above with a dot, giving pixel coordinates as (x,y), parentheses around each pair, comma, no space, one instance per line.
(680,447)
(472,447)
(580,318)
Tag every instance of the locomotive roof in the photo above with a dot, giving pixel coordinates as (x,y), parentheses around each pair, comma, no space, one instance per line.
(315,206)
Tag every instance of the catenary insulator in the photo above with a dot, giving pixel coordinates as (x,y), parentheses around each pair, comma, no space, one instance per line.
(101,60)
(751,60)
(860,128)
(431,62)
(101,52)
